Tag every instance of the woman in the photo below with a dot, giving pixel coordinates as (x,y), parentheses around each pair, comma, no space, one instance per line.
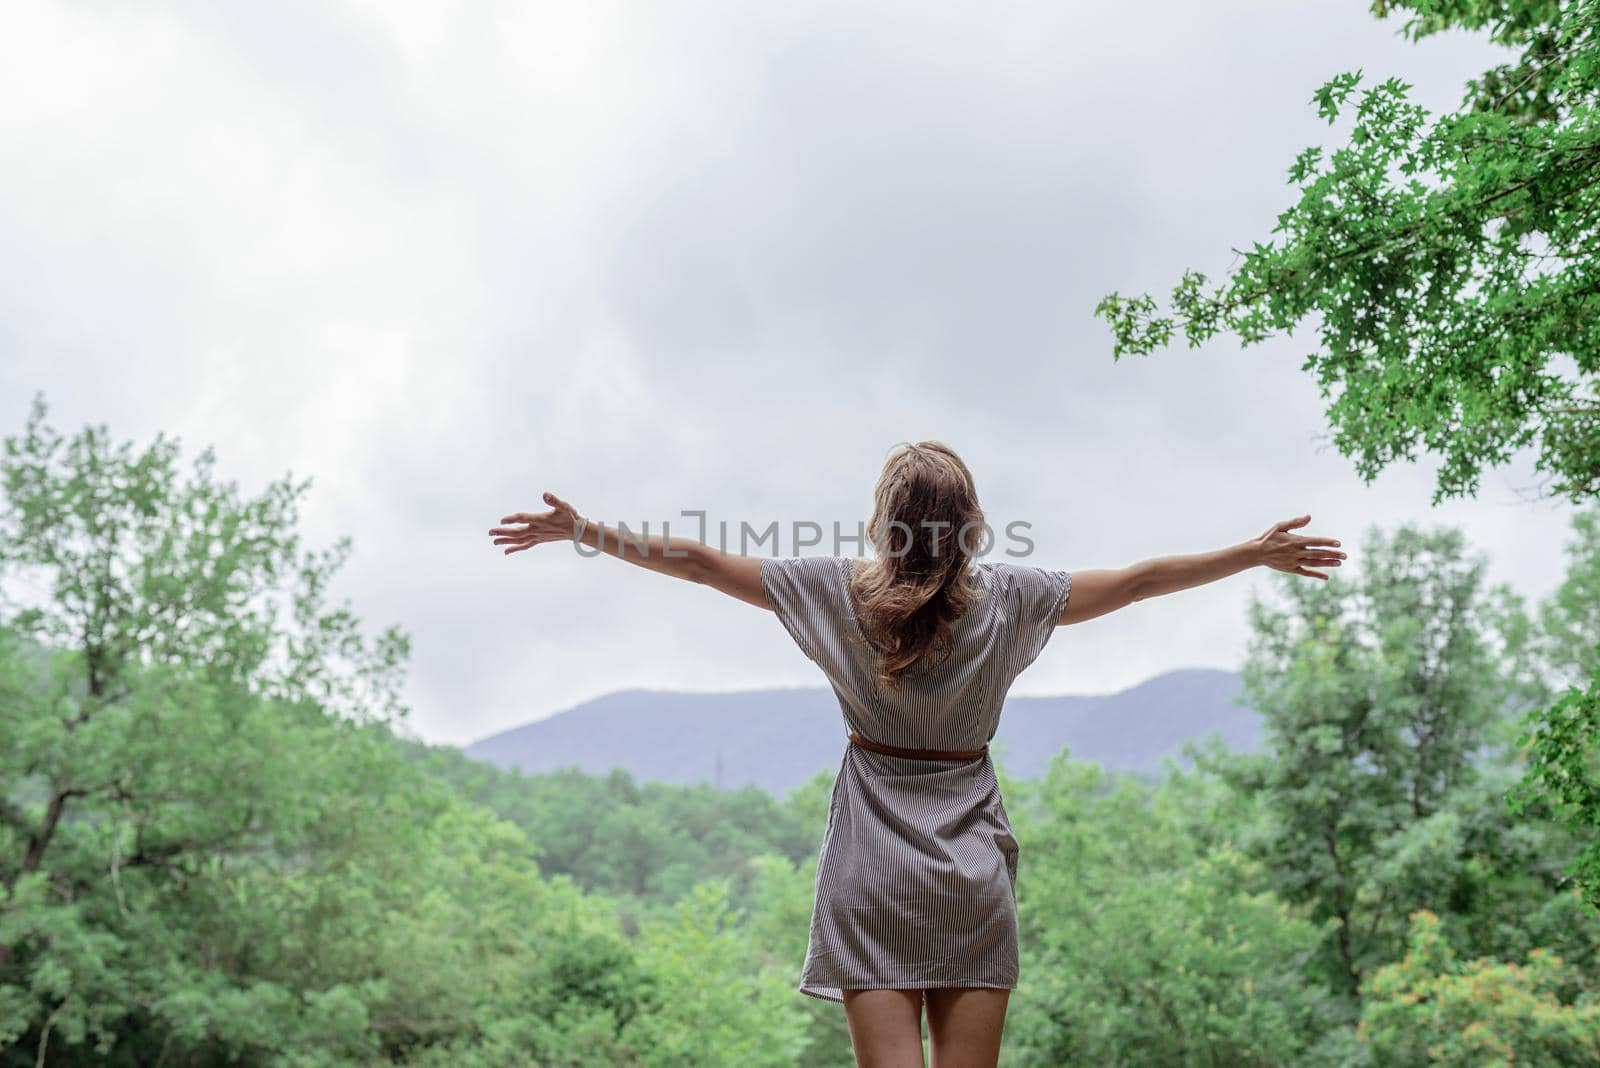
(916,881)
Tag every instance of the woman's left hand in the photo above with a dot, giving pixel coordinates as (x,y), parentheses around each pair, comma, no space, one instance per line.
(561,523)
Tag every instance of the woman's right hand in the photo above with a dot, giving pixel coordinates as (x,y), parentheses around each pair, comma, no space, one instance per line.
(1297,553)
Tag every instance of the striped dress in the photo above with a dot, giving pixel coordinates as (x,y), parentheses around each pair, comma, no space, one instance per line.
(916,880)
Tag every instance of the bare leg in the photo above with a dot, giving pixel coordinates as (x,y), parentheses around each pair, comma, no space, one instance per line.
(964,1026)
(885,1027)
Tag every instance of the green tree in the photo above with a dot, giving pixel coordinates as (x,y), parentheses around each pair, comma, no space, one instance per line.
(212,848)
(1563,741)
(1451,264)
(1432,1009)
(1563,777)
(1378,695)
(717,1004)
(1143,944)
(652,841)
(1570,619)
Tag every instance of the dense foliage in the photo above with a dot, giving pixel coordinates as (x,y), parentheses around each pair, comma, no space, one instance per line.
(1450,264)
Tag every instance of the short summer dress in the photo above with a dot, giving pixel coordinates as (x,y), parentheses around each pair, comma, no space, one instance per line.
(916,880)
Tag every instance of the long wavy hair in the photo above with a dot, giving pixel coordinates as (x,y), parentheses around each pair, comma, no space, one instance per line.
(925,524)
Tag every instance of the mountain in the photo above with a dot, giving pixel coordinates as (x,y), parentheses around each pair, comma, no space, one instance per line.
(778,739)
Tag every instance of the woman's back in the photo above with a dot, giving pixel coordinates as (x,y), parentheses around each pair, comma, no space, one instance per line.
(916,881)
(954,702)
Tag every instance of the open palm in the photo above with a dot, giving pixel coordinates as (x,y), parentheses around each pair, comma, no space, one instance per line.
(561,523)
(1298,553)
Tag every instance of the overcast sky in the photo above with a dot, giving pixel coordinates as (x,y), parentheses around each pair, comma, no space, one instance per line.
(655,257)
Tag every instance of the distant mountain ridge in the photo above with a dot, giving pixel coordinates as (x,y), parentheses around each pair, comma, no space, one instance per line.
(778,739)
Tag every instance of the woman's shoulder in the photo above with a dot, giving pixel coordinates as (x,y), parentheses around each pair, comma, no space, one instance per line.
(1011,569)
(1024,581)
(807,565)
(996,570)
(815,576)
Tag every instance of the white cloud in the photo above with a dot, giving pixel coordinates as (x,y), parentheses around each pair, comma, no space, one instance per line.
(655,257)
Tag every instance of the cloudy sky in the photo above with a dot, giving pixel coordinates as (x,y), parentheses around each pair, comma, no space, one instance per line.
(656,257)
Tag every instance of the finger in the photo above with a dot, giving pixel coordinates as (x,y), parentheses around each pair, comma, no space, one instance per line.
(1314,539)
(520,548)
(518,539)
(556,502)
(529,518)
(1290,524)
(1309,574)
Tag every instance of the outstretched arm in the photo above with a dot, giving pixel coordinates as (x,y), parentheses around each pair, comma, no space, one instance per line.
(1094,593)
(684,558)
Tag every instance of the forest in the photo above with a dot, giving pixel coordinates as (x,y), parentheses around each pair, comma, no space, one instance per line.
(219,847)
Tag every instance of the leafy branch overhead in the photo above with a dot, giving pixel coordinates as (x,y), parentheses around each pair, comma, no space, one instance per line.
(1450,263)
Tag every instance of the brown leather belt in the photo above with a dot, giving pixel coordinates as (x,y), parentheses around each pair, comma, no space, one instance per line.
(917,754)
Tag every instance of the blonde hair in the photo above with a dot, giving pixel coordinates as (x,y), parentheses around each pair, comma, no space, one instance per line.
(925,508)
